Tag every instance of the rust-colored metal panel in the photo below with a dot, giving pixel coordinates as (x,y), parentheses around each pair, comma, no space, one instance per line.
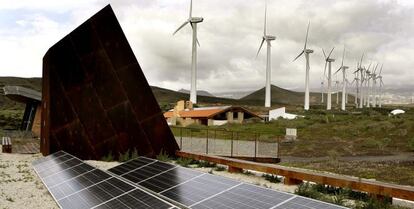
(96,99)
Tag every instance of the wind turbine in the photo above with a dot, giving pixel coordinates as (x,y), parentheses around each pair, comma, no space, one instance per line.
(328,61)
(268,39)
(343,68)
(356,80)
(193,23)
(360,69)
(322,89)
(306,51)
(367,85)
(381,84)
(374,86)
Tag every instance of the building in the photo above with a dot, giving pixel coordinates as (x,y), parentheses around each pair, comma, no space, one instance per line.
(184,114)
(32,113)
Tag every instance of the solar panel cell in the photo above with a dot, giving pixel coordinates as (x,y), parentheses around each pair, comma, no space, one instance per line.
(131,165)
(169,179)
(148,171)
(198,189)
(70,173)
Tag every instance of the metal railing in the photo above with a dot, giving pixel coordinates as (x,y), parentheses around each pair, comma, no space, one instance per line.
(226,143)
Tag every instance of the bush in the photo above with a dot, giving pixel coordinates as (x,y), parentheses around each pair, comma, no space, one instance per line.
(108,158)
(272,178)
(184,161)
(163,156)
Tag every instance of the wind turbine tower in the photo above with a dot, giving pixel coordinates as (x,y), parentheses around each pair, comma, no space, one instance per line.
(306,51)
(193,23)
(268,39)
(328,61)
(343,68)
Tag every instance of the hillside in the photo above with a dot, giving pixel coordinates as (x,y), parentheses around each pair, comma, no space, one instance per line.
(167,98)
(199,92)
(284,96)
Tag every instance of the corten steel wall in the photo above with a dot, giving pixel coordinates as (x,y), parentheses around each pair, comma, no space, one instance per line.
(96,99)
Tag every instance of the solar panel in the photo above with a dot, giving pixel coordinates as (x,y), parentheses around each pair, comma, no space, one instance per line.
(75,184)
(194,189)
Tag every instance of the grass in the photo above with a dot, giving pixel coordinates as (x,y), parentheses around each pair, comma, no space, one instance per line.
(394,172)
(369,132)
(339,196)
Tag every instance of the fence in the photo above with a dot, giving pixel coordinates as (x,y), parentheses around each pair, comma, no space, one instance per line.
(226,143)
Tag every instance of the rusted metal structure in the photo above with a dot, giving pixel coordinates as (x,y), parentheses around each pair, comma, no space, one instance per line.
(96,99)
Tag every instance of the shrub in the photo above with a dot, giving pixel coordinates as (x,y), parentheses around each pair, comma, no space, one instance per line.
(108,158)
(163,156)
(184,161)
(272,178)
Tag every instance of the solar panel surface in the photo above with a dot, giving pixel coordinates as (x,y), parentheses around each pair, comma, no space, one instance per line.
(194,189)
(75,184)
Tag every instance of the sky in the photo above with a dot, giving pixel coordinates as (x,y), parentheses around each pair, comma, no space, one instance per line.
(229,37)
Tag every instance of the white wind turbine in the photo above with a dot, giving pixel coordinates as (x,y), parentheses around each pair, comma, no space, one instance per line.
(367,85)
(306,51)
(343,68)
(356,80)
(193,23)
(360,69)
(329,60)
(381,84)
(374,86)
(268,39)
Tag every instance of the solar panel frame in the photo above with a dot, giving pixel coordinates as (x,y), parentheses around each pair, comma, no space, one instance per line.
(133,186)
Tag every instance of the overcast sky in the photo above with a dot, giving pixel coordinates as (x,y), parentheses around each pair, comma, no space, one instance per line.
(229,36)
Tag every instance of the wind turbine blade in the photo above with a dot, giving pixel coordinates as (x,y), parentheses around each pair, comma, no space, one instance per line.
(369,66)
(265,19)
(376,66)
(343,56)
(362,57)
(185,23)
(198,42)
(381,69)
(191,9)
(307,33)
(338,70)
(324,70)
(324,54)
(261,44)
(298,56)
(329,56)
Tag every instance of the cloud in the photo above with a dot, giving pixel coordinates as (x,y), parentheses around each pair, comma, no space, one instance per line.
(229,36)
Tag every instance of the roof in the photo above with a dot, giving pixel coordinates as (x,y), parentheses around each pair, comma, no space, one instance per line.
(206,112)
(22,94)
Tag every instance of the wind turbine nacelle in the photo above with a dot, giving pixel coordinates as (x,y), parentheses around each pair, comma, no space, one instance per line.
(330,60)
(270,38)
(345,67)
(196,19)
(308,51)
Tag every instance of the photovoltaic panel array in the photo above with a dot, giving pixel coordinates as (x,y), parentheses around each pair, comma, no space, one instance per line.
(75,184)
(194,189)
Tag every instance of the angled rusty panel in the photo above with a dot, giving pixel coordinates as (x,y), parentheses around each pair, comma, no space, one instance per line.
(96,99)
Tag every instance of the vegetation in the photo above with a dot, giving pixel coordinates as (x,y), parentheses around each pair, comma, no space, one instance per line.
(163,156)
(340,196)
